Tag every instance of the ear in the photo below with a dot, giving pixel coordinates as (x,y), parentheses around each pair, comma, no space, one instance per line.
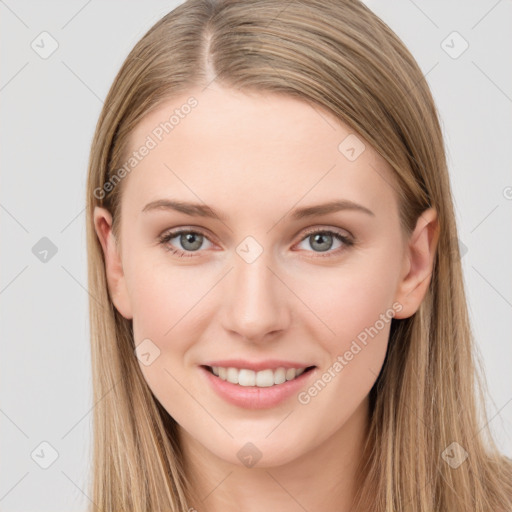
(113,265)
(418,264)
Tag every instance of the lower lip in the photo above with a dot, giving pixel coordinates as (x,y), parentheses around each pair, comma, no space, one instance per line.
(253,397)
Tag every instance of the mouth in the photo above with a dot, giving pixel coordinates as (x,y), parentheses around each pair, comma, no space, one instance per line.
(257,379)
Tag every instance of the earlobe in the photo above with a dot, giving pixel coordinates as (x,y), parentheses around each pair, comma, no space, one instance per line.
(113,265)
(418,263)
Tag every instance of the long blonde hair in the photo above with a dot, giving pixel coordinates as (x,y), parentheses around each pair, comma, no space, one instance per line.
(340,56)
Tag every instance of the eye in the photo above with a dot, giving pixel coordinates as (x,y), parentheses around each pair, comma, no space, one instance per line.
(321,240)
(191,241)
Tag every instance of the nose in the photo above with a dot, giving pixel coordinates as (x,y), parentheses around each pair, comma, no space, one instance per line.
(255,304)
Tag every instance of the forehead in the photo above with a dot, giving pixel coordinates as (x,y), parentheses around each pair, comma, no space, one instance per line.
(252,151)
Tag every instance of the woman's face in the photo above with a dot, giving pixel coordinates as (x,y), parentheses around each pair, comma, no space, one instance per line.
(256,285)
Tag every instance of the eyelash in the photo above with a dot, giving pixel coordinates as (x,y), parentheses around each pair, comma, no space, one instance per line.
(166,237)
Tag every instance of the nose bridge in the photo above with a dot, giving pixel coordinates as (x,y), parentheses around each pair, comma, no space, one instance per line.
(254,300)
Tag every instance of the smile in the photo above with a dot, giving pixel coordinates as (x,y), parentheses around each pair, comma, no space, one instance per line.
(261,389)
(262,379)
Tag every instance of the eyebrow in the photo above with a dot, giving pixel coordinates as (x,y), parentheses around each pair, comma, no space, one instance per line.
(202,210)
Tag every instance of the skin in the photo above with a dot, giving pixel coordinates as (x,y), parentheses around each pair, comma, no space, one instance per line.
(256,158)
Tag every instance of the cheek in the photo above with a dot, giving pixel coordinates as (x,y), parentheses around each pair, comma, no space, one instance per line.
(172,307)
(162,300)
(357,307)
(164,325)
(353,310)
(348,299)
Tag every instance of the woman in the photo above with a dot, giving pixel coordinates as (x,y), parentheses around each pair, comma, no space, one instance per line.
(279,319)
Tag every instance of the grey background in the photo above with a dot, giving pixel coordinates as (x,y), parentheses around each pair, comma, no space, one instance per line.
(49,112)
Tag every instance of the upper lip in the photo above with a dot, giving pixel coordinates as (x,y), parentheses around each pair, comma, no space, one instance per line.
(268,364)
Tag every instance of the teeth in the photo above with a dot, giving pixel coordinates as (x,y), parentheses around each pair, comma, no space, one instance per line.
(248,377)
(262,379)
(232,375)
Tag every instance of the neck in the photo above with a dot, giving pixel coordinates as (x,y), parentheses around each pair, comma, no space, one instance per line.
(324,478)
